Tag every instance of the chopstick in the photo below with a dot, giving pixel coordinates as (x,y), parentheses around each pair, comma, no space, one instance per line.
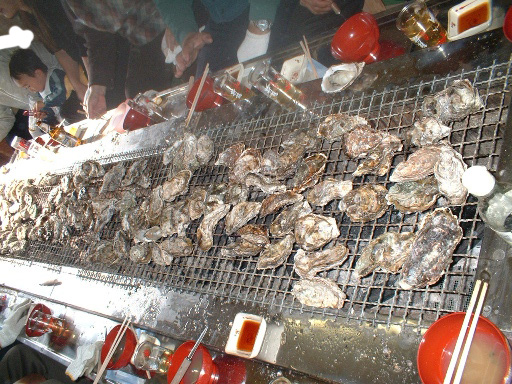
(335,8)
(305,48)
(196,97)
(463,340)
(124,326)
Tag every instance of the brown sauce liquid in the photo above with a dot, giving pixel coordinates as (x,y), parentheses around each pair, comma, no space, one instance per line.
(247,336)
(476,16)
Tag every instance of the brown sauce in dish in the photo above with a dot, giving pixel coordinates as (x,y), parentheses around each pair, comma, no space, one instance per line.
(247,336)
(474,17)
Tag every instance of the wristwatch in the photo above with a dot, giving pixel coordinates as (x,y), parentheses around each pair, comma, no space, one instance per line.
(263,24)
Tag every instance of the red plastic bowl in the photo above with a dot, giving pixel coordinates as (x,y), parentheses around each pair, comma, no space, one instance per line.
(30,321)
(126,350)
(437,344)
(507,24)
(357,39)
(207,99)
(208,372)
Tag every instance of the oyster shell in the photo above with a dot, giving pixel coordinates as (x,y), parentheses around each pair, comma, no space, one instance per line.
(157,255)
(236,193)
(179,220)
(378,161)
(240,215)
(453,103)
(426,131)
(255,234)
(314,231)
(309,172)
(284,223)
(308,264)
(205,149)
(278,200)
(140,254)
(176,186)
(248,162)
(276,253)
(339,77)
(418,165)
(334,127)
(121,245)
(136,175)
(387,252)
(112,179)
(195,203)
(253,239)
(432,249)
(319,292)
(328,190)
(413,196)
(365,203)
(134,219)
(448,172)
(153,234)
(208,224)
(177,247)
(104,253)
(230,155)
(128,201)
(156,205)
(103,210)
(359,141)
(264,183)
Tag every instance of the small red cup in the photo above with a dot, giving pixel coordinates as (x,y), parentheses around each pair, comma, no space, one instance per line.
(207,99)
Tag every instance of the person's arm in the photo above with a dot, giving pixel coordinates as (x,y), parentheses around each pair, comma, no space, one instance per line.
(317,7)
(178,16)
(72,69)
(7,120)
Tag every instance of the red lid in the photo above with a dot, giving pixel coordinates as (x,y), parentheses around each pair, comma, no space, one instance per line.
(120,358)
(202,370)
(40,329)
(357,39)
(436,346)
(207,99)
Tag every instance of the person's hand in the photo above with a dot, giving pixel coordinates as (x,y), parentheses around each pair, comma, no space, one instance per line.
(87,357)
(81,90)
(95,104)
(317,7)
(37,113)
(15,323)
(191,47)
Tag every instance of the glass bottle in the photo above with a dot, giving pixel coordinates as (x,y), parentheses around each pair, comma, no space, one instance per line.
(494,200)
(60,135)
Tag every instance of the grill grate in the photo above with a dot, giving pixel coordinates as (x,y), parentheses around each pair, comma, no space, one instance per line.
(375,299)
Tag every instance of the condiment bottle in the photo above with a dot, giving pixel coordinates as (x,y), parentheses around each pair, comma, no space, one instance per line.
(59,134)
(494,200)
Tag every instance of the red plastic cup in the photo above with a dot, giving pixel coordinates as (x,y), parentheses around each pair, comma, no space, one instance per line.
(207,99)
(202,370)
(357,39)
(507,24)
(436,346)
(126,347)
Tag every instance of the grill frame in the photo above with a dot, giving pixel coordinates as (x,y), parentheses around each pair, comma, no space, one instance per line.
(371,301)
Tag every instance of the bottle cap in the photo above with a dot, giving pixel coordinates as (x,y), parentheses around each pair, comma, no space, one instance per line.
(478,180)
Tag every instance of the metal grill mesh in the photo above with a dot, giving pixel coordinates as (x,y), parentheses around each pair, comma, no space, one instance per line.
(375,299)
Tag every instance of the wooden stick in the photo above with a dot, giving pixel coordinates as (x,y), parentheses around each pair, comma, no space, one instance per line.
(308,55)
(113,347)
(196,97)
(469,339)
(335,8)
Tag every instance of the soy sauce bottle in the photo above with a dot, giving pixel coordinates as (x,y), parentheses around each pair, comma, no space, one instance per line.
(494,200)
(60,135)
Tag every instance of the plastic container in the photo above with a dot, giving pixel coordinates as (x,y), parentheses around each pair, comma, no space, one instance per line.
(494,200)
(122,356)
(202,370)
(246,336)
(436,348)
(468,18)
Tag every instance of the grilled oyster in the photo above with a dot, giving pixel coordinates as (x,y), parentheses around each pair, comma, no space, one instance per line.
(418,165)
(134,219)
(263,183)
(153,234)
(121,245)
(177,247)
(248,162)
(426,131)
(328,190)
(112,179)
(359,141)
(309,172)
(319,292)
(278,200)
(205,230)
(255,233)
(432,249)
(448,173)
(413,196)
(387,252)
(135,174)
(176,186)
(253,239)
(128,201)
(378,161)
(156,205)
(339,77)
(284,223)
(276,253)
(453,103)
(205,149)
(158,257)
(307,265)
(103,210)
(196,203)
(334,127)
(140,254)
(236,193)
(103,252)
(179,220)
(240,215)
(230,155)
(365,203)
(314,231)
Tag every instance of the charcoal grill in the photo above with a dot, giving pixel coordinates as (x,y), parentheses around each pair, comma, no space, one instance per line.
(376,299)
